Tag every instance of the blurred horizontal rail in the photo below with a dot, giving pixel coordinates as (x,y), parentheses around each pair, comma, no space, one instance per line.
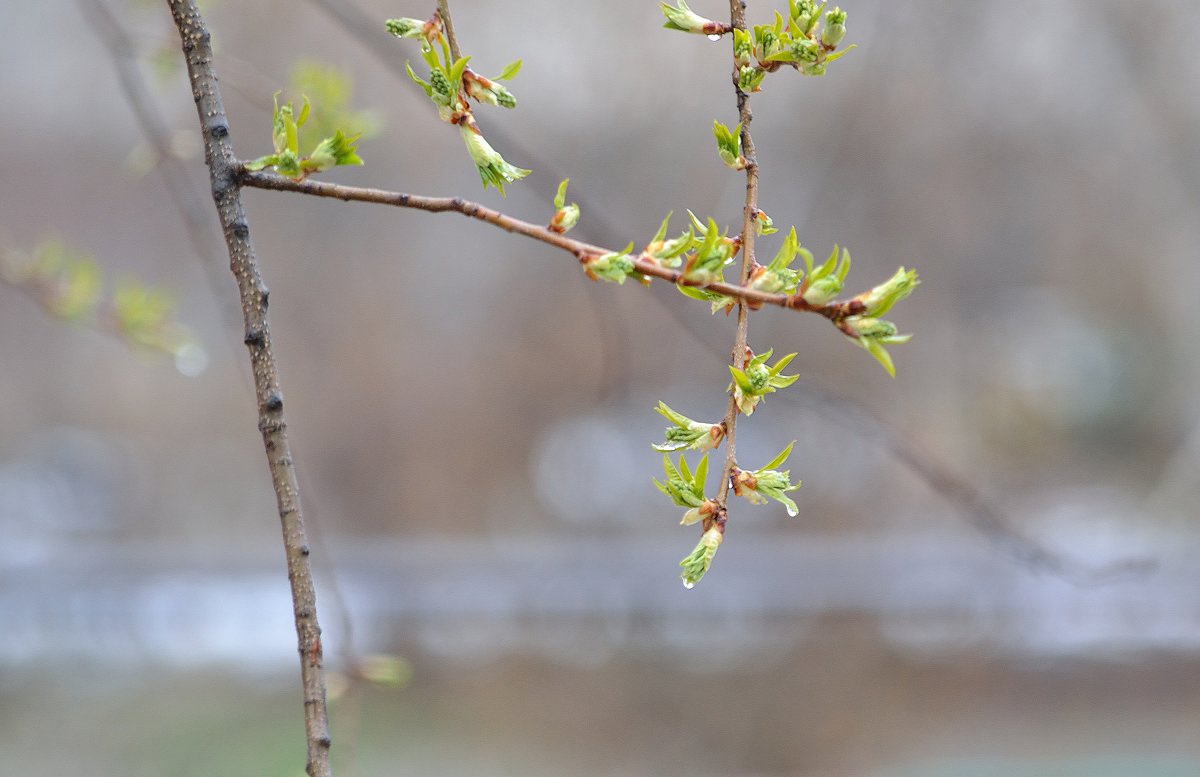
(136,602)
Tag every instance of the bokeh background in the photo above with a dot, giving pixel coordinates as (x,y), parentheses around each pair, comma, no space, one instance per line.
(472,418)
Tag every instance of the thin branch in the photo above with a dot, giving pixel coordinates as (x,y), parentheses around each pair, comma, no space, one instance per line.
(976,507)
(737,18)
(223,169)
(444,12)
(834,311)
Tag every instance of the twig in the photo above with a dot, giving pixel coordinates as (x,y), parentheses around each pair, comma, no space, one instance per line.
(444,12)
(737,19)
(222,165)
(834,311)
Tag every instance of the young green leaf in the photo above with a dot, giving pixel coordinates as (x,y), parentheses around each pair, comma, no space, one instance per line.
(510,71)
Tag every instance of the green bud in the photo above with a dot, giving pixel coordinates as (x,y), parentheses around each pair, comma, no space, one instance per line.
(285,126)
(768,483)
(706,511)
(707,264)
(822,291)
(872,334)
(750,79)
(406,28)
(778,277)
(684,487)
(756,380)
(684,19)
(485,90)
(288,164)
(565,219)
(803,50)
(338,150)
(729,145)
(565,216)
(442,92)
(802,13)
(492,168)
(767,41)
(763,224)
(686,434)
(880,299)
(743,48)
(835,28)
(668,252)
(700,559)
(871,328)
(825,282)
(614,266)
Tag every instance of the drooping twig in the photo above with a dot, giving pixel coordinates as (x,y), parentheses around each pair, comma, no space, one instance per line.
(834,311)
(737,19)
(222,165)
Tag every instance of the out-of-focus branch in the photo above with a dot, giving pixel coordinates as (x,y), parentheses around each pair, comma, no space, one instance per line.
(972,503)
(188,202)
(223,169)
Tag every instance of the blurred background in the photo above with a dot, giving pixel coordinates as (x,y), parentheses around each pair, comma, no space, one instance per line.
(472,418)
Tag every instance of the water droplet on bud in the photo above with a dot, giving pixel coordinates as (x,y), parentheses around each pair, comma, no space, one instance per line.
(688,584)
(714,36)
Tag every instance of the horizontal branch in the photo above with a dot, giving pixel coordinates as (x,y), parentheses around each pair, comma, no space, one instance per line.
(834,311)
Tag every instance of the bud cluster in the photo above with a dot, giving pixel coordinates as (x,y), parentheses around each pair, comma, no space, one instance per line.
(801,40)
(451,86)
(285,136)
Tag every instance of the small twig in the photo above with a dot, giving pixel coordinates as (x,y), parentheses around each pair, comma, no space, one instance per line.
(444,12)
(223,169)
(834,311)
(737,18)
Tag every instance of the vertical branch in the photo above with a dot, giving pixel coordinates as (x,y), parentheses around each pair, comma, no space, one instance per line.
(737,18)
(222,165)
(444,12)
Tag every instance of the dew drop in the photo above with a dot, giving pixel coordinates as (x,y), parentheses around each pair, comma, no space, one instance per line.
(688,584)
(714,36)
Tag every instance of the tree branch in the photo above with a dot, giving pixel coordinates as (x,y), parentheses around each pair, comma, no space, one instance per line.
(834,311)
(226,191)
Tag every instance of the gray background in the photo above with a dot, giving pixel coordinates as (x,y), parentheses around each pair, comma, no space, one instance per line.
(472,418)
